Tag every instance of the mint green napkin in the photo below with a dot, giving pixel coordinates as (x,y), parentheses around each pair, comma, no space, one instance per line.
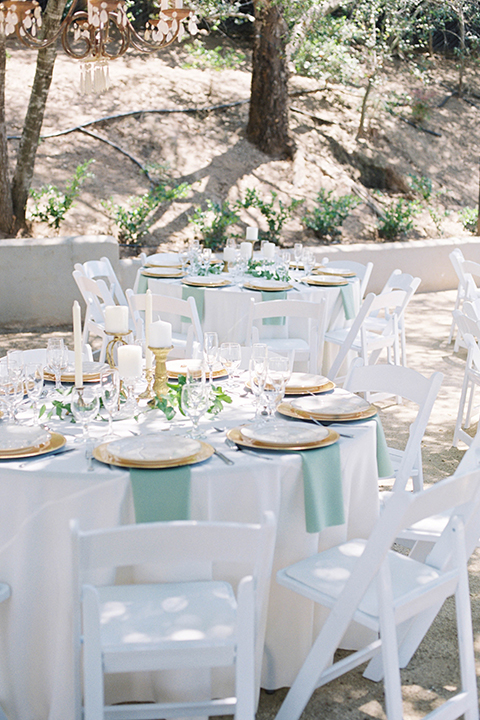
(160,495)
(199,294)
(142,284)
(322,488)
(268,295)
(347,300)
(384,464)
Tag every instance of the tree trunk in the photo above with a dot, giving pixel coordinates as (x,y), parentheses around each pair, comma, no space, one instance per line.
(268,118)
(27,151)
(6,209)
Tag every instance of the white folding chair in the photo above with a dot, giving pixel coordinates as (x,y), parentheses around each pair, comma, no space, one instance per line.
(410,385)
(469,331)
(369,340)
(196,622)
(466,271)
(398,281)
(102,269)
(185,312)
(393,595)
(284,337)
(363,272)
(97,296)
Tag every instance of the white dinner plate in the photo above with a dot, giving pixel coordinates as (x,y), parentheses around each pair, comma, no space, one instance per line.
(162,272)
(264,284)
(164,260)
(305,381)
(19,437)
(153,448)
(284,434)
(339,402)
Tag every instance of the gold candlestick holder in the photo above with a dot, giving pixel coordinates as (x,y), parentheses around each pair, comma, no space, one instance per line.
(117,339)
(160,382)
(148,393)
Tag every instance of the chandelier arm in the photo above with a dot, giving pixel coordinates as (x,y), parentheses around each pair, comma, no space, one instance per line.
(31,42)
(94,46)
(142,45)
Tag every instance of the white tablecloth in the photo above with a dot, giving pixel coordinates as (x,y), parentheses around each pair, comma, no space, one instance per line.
(39,498)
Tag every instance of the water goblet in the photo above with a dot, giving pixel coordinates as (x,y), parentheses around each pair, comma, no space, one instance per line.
(278,373)
(308,262)
(195,403)
(110,394)
(34,385)
(57,359)
(11,392)
(210,352)
(206,258)
(15,363)
(85,405)
(257,368)
(230,355)
(298,252)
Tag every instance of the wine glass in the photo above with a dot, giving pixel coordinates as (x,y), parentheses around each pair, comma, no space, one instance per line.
(206,258)
(34,385)
(210,352)
(85,405)
(278,372)
(195,403)
(57,359)
(15,363)
(298,252)
(110,394)
(308,262)
(258,374)
(11,391)
(230,355)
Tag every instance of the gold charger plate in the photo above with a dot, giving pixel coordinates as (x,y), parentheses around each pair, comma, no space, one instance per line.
(147,273)
(101,454)
(286,409)
(328,282)
(175,368)
(338,271)
(313,389)
(236,436)
(56,442)
(70,377)
(280,288)
(216,283)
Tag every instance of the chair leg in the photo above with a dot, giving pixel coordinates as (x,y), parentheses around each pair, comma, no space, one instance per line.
(244,665)
(93,693)
(468,419)
(388,634)
(461,409)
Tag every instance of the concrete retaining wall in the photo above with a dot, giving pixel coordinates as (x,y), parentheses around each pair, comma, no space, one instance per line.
(37,288)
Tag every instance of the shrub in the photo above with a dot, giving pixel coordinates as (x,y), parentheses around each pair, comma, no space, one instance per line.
(469,218)
(398,219)
(275,217)
(213,223)
(51,204)
(329,213)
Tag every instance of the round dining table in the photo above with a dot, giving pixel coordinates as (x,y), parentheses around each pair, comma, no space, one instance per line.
(39,496)
(225,310)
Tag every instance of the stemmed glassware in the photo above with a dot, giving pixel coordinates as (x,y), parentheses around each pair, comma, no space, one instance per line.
(277,375)
(298,252)
(195,401)
(15,363)
(110,394)
(308,262)
(34,385)
(11,391)
(258,374)
(210,352)
(85,405)
(57,359)
(230,355)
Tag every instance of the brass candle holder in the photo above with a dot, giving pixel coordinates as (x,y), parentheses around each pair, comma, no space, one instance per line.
(148,393)
(117,339)
(160,382)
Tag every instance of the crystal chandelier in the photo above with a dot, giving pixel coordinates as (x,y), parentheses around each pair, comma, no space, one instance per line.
(98,34)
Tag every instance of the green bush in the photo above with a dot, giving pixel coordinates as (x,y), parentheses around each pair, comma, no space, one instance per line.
(469,218)
(51,204)
(212,224)
(398,219)
(329,213)
(275,217)
(135,218)
(421,186)
(218,58)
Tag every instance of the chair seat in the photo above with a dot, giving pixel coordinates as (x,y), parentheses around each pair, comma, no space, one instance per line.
(163,618)
(286,345)
(327,574)
(374,340)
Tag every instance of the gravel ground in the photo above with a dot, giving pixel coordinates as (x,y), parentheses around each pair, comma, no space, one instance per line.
(432,675)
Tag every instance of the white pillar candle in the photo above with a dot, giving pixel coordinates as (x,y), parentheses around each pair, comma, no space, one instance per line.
(116,319)
(246,249)
(229,254)
(252,234)
(269,250)
(77,343)
(148,322)
(160,334)
(130,361)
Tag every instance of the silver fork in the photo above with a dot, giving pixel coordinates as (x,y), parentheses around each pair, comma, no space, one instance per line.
(233,445)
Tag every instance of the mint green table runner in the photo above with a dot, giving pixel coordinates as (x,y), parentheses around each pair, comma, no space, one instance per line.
(384,464)
(142,284)
(322,488)
(198,293)
(161,495)
(348,303)
(268,295)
